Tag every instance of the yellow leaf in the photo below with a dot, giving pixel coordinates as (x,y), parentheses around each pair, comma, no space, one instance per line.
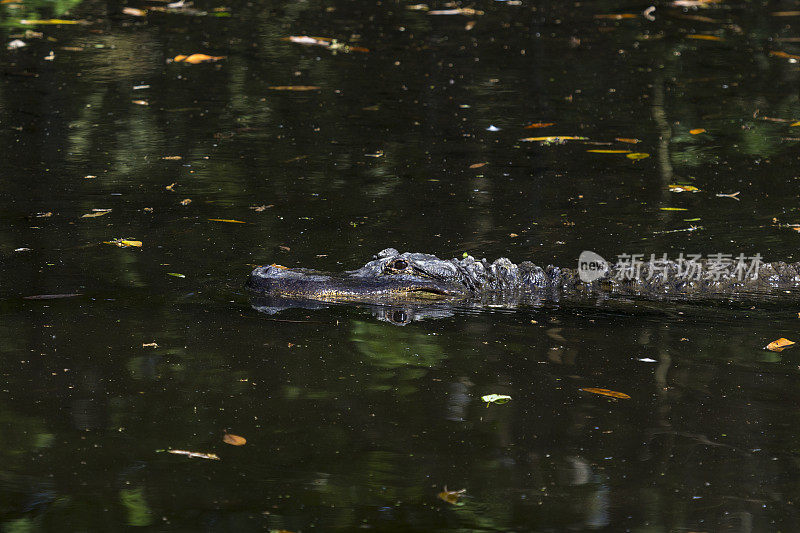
(451,496)
(227,220)
(140,102)
(673,209)
(697,131)
(125,243)
(609,151)
(478,165)
(51,21)
(795,123)
(607,392)
(626,140)
(701,37)
(186,201)
(637,156)
(683,188)
(779,345)
(233,440)
(295,87)
(196,58)
(96,213)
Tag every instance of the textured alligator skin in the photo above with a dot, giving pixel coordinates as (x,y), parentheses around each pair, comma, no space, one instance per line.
(394,277)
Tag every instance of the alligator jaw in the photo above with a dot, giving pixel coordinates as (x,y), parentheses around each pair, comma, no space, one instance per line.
(275,280)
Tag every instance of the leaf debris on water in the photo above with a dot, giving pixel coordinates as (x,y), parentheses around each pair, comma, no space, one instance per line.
(233,440)
(779,345)
(498,399)
(733,195)
(125,243)
(451,496)
(675,187)
(294,87)
(196,455)
(230,220)
(606,392)
(96,213)
(194,59)
(555,139)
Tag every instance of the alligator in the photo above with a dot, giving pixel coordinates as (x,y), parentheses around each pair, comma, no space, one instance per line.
(394,278)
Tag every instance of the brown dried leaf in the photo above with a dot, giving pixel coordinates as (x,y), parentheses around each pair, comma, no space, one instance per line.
(295,87)
(606,392)
(233,440)
(451,496)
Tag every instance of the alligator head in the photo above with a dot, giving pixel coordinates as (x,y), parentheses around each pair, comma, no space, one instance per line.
(391,276)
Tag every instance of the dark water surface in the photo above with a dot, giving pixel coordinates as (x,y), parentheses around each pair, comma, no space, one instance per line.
(352,421)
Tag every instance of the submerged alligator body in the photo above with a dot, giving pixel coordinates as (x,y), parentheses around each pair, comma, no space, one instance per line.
(394,278)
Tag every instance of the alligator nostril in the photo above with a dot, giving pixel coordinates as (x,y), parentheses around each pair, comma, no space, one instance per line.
(400,264)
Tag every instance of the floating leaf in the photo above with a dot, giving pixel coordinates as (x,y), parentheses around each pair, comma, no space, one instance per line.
(673,208)
(702,37)
(176,274)
(697,131)
(227,220)
(171,157)
(30,22)
(186,201)
(478,165)
(140,102)
(779,345)
(451,496)
(197,455)
(125,243)
(539,125)
(793,124)
(617,16)
(783,55)
(627,140)
(733,195)
(458,11)
(132,11)
(96,213)
(233,440)
(609,151)
(554,139)
(606,392)
(150,345)
(499,399)
(196,58)
(636,156)
(51,296)
(683,188)
(295,87)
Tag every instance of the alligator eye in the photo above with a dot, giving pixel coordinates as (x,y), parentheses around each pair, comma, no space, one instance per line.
(400,264)
(400,317)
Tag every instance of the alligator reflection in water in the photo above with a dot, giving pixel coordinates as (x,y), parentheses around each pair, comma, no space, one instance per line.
(416,279)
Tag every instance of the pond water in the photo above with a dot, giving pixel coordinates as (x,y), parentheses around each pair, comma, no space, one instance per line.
(318,133)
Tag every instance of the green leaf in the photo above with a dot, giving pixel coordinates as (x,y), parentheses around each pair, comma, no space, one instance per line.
(499,399)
